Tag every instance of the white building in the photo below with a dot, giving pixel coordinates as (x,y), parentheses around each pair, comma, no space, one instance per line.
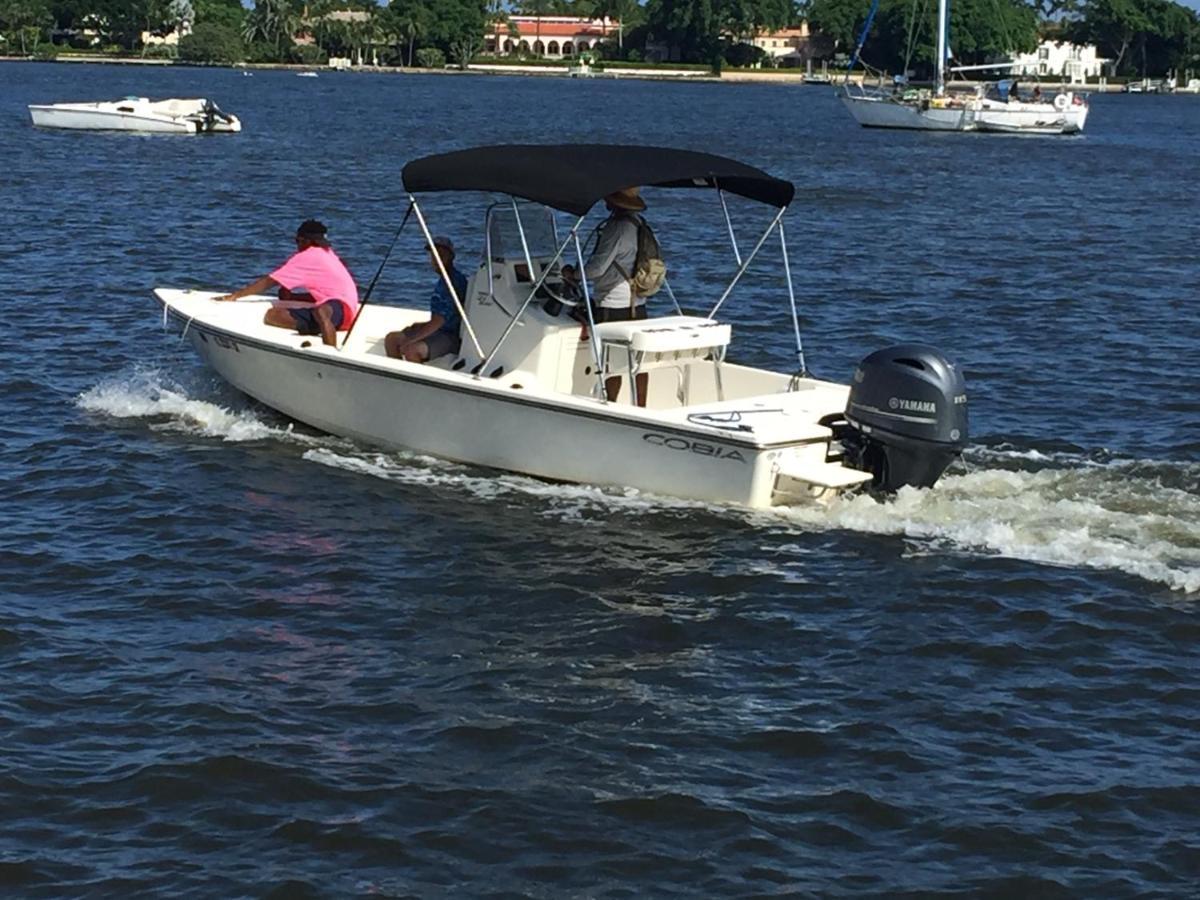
(786,46)
(1074,62)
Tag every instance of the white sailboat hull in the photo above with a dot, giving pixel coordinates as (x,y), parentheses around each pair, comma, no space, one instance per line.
(1032,118)
(969,114)
(872,111)
(509,423)
(174,116)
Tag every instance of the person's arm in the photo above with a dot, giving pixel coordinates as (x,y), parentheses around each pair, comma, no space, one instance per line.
(423,330)
(607,245)
(256,287)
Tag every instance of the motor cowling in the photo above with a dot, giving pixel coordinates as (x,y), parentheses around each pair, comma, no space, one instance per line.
(906,416)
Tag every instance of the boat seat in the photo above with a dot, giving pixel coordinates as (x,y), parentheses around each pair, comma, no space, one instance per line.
(666,340)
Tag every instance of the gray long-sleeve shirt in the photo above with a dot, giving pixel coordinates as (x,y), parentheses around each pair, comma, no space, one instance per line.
(616,245)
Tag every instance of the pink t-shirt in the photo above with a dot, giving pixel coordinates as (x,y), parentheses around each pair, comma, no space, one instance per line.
(318,271)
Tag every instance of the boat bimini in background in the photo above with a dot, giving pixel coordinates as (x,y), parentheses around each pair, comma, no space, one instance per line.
(175,116)
(526,392)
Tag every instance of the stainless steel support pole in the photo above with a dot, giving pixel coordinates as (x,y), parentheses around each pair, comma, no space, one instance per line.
(787,271)
(445,275)
(749,259)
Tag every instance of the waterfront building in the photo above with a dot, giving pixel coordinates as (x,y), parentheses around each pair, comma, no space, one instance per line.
(1075,63)
(551,37)
(787,46)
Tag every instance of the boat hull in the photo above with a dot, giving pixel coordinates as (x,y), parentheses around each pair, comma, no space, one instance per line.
(136,114)
(1032,118)
(498,423)
(882,112)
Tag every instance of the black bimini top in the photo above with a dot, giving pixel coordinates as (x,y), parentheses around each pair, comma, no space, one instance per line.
(574,177)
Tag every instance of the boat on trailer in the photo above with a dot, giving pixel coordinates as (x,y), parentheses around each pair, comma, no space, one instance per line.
(526,391)
(172,116)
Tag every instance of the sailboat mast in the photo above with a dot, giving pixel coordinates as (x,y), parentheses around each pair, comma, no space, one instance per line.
(939,77)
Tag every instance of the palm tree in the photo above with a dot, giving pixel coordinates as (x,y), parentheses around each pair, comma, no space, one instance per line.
(407,21)
(273,22)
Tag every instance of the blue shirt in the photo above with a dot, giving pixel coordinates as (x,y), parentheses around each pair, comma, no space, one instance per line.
(442,304)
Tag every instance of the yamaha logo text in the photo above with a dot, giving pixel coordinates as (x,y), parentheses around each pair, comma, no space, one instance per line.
(919,406)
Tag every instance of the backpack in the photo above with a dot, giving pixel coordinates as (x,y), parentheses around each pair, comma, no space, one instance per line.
(649,270)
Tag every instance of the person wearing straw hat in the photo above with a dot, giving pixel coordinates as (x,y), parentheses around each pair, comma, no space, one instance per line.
(608,271)
(439,335)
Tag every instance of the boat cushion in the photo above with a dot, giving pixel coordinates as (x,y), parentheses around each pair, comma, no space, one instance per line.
(666,334)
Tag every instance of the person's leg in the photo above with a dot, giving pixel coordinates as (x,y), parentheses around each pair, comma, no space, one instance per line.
(417,351)
(396,342)
(280,318)
(326,324)
(393,344)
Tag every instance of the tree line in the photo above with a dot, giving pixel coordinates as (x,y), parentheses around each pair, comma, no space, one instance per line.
(1140,37)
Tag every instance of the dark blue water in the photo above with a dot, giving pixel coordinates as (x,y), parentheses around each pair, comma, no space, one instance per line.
(240,659)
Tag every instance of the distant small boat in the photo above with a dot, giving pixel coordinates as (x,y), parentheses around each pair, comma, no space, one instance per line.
(306,74)
(584,66)
(173,116)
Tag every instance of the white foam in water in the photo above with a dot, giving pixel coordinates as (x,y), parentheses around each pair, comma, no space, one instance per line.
(149,395)
(1074,512)
(1092,517)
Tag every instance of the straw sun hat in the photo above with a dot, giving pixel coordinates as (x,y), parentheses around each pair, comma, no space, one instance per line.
(627,198)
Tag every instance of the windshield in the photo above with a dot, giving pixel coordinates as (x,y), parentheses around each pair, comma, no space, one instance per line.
(505,235)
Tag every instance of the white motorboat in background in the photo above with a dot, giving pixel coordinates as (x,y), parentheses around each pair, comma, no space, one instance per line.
(173,116)
(526,391)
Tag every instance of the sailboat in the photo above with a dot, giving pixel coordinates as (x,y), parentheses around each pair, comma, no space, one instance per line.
(999,108)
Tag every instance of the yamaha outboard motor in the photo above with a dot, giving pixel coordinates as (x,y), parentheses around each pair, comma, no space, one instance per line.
(906,419)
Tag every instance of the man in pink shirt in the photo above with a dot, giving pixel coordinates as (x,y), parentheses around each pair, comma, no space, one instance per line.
(315,277)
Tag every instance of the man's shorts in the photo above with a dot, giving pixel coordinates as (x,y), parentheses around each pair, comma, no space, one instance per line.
(306,319)
(619,313)
(442,342)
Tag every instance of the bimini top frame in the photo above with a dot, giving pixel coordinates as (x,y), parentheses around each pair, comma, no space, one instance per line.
(575,177)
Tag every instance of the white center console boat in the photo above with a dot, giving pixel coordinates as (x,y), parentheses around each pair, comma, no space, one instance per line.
(526,391)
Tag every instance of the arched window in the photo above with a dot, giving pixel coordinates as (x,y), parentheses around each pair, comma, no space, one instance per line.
(538,48)
(568,48)
(508,46)
(583,45)
(552,48)
(523,47)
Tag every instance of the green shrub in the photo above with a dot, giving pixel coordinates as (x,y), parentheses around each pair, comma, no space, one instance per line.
(45,51)
(431,58)
(308,55)
(744,56)
(159,51)
(212,44)
(262,52)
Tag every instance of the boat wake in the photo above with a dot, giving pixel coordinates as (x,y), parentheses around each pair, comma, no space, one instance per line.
(1129,516)
(1060,507)
(167,404)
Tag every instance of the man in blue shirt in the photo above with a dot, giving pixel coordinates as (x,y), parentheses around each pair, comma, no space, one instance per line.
(440,335)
